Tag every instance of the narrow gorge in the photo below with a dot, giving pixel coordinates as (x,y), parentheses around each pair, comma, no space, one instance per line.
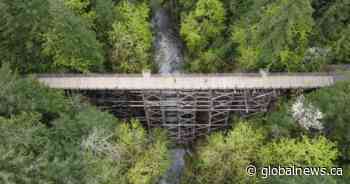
(168,56)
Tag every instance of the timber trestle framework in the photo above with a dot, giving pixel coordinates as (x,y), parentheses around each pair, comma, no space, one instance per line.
(187,114)
(187,105)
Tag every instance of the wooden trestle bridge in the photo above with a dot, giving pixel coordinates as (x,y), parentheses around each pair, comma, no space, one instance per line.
(188,105)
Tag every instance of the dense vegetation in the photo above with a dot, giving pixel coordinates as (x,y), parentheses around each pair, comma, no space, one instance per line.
(49,138)
(219,35)
(280,138)
(280,35)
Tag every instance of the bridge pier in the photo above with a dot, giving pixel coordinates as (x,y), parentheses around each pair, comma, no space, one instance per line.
(188,105)
(187,114)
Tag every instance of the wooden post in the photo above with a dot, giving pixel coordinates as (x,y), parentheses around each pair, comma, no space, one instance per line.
(190,107)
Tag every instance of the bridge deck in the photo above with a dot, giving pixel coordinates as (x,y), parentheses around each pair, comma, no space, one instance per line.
(184,82)
(188,106)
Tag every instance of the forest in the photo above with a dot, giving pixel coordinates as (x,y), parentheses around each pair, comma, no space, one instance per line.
(39,36)
(47,137)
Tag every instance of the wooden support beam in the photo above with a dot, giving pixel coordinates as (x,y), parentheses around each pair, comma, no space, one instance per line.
(187,114)
(146,110)
(246,101)
(210,112)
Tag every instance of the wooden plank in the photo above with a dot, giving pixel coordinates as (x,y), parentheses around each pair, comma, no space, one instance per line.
(188,82)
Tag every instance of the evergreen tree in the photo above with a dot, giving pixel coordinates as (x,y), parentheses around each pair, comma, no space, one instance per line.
(318,152)
(223,159)
(97,13)
(22,24)
(49,138)
(127,156)
(279,39)
(70,42)
(333,102)
(334,30)
(82,8)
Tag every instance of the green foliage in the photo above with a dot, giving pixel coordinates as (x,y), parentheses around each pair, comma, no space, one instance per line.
(305,152)
(203,24)
(27,95)
(104,19)
(48,138)
(334,104)
(97,13)
(279,39)
(42,131)
(41,36)
(224,159)
(22,24)
(131,37)
(34,152)
(153,163)
(84,35)
(240,9)
(136,158)
(18,163)
(305,180)
(334,30)
(208,61)
(279,123)
(202,30)
(71,43)
(80,7)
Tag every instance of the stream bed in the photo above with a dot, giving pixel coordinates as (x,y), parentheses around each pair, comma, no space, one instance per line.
(168,46)
(169,59)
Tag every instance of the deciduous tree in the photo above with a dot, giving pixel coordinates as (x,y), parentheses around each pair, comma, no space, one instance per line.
(202,30)
(279,39)
(334,103)
(131,37)
(70,42)
(49,138)
(334,30)
(22,24)
(223,159)
(318,152)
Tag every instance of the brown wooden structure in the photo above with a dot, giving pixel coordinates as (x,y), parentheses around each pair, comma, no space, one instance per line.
(187,105)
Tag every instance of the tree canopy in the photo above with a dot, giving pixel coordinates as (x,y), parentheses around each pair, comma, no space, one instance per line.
(131,37)
(71,43)
(49,138)
(219,35)
(279,39)
(223,158)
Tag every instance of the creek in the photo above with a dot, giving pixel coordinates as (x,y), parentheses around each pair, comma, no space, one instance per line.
(168,56)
